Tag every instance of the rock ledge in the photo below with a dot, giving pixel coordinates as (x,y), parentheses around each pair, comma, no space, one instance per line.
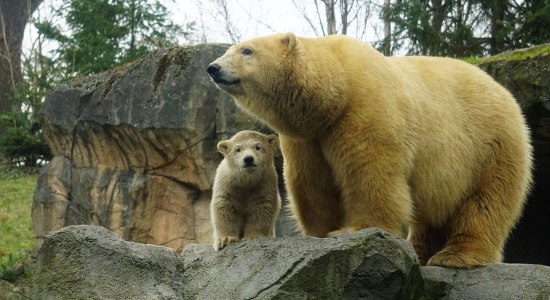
(90,262)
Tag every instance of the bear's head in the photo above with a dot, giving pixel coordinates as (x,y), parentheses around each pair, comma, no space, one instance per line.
(249,151)
(254,65)
(292,84)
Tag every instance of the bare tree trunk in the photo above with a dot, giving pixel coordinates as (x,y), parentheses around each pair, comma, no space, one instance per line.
(132,29)
(14,15)
(350,12)
(438,16)
(459,48)
(498,11)
(439,12)
(331,17)
(387,29)
(345,8)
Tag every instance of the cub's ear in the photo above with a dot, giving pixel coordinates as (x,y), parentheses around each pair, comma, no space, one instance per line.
(273,140)
(290,41)
(223,147)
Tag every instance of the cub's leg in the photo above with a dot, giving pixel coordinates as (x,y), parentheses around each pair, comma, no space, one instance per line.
(313,196)
(260,221)
(226,223)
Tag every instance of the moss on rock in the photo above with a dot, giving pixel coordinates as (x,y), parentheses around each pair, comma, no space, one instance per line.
(520,54)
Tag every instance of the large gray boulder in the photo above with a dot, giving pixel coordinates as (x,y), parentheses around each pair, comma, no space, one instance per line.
(371,264)
(90,262)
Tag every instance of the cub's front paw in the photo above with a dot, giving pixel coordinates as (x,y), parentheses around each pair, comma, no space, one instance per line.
(224,241)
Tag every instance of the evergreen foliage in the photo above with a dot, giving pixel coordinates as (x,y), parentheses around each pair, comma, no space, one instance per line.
(92,36)
(462,28)
(104,33)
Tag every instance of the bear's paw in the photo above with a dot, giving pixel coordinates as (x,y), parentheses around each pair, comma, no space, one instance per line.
(224,241)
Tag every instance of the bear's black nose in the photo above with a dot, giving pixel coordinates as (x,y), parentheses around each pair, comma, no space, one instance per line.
(213,70)
(248,161)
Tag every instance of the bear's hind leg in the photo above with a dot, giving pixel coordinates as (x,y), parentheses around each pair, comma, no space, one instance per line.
(481,224)
(426,240)
(473,238)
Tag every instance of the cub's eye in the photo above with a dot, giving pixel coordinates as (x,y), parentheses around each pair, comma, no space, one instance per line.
(238,150)
(258,148)
(247,51)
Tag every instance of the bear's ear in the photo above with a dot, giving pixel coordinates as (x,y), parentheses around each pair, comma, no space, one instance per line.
(273,140)
(223,147)
(289,40)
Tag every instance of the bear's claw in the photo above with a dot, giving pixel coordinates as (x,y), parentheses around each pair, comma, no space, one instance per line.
(459,259)
(224,241)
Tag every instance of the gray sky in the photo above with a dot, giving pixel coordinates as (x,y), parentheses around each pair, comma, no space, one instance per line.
(250,17)
(257,17)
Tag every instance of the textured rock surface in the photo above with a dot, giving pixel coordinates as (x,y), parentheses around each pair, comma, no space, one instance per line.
(135,149)
(89,262)
(11,291)
(371,264)
(529,81)
(498,281)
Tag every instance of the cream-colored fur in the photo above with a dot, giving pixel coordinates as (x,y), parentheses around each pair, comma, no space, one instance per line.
(434,145)
(245,200)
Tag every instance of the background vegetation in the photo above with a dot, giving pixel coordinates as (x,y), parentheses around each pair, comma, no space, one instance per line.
(16,233)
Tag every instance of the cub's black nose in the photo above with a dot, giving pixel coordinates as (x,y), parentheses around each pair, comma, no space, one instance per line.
(213,69)
(248,160)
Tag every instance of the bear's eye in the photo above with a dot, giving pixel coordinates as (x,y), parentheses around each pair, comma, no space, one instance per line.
(238,150)
(247,51)
(258,148)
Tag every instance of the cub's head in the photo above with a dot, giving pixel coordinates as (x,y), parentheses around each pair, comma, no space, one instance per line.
(249,151)
(254,66)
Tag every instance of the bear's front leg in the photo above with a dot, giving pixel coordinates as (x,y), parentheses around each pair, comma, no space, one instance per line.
(312,193)
(260,220)
(226,223)
(371,172)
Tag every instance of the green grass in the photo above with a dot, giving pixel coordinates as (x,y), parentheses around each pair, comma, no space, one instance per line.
(16,232)
(512,55)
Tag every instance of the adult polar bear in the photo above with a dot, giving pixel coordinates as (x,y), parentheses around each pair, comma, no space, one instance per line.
(433,144)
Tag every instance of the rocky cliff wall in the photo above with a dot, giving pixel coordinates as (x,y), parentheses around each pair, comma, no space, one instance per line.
(135,149)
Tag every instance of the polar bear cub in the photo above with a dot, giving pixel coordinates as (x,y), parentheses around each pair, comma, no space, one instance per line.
(245,200)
